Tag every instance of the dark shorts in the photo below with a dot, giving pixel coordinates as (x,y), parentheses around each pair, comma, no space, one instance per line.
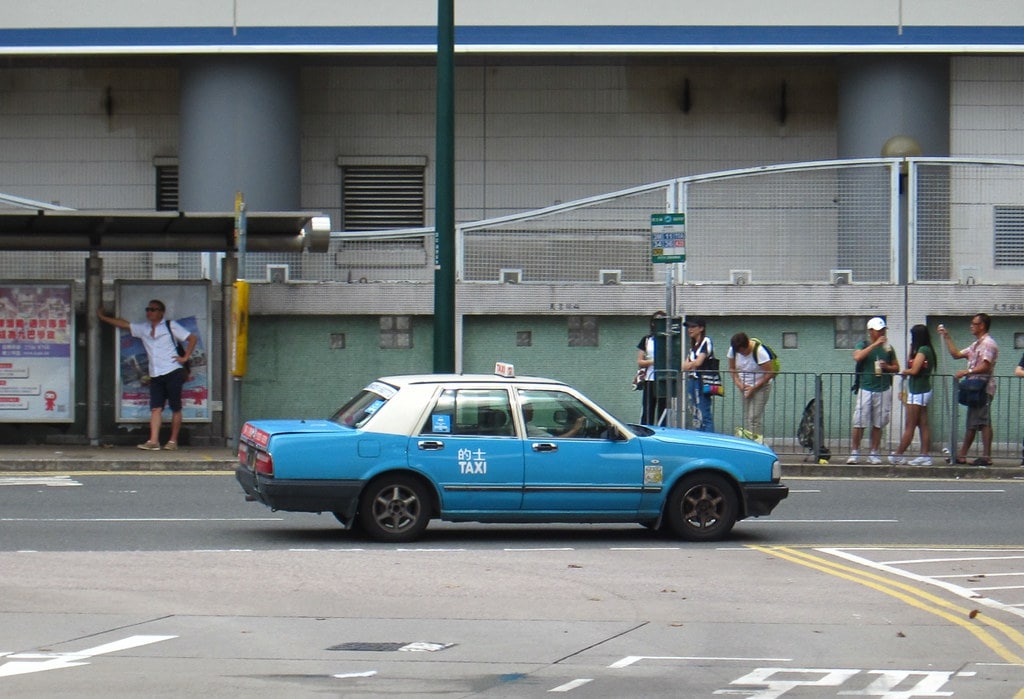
(980,416)
(166,389)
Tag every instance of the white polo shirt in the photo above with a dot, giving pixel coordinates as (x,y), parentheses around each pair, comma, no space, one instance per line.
(160,346)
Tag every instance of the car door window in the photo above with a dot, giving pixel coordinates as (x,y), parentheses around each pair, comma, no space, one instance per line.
(556,414)
(471,411)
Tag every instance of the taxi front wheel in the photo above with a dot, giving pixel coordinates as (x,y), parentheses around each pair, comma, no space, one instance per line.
(702,507)
(394,509)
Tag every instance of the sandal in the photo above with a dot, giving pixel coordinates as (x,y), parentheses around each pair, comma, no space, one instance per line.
(982,461)
(959,460)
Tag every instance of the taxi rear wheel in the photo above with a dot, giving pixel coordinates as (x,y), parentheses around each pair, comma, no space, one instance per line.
(394,508)
(702,507)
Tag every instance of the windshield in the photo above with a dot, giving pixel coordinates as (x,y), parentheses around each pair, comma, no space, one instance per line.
(364,405)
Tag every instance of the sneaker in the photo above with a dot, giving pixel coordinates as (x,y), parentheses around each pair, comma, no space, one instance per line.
(150,446)
(897,459)
(874,458)
(854,458)
(923,460)
(171,446)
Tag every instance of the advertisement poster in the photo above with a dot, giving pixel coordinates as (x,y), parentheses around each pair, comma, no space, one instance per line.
(187,303)
(37,327)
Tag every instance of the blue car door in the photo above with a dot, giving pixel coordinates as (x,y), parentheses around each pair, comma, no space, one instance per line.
(469,448)
(572,464)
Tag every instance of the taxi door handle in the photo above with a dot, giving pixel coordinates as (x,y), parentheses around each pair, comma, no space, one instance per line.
(430,445)
(545,446)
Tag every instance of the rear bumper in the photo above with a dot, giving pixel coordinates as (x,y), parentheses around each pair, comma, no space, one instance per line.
(761,498)
(340,497)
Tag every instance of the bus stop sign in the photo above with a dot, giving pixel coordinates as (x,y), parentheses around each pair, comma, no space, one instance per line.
(668,237)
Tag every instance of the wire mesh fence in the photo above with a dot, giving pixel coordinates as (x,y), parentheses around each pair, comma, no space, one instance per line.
(822,222)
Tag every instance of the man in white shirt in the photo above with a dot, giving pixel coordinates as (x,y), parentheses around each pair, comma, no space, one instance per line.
(167,374)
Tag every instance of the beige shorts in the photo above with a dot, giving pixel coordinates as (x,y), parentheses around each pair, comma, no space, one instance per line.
(873,409)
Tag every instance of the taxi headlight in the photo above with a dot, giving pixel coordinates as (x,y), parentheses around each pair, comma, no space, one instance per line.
(776,470)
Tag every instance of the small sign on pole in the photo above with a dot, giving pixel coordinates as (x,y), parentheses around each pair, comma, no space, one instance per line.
(668,238)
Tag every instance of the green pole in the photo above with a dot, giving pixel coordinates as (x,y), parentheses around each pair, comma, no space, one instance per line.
(444,190)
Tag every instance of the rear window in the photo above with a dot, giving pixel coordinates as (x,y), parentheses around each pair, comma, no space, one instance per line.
(364,405)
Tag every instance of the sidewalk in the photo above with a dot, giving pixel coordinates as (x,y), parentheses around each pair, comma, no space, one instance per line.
(23,459)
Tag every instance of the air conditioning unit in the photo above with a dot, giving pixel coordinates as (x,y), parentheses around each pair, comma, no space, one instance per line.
(611,276)
(510,276)
(840,277)
(969,276)
(740,277)
(277,274)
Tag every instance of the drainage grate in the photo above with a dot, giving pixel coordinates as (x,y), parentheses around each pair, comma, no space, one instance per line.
(414,646)
(361,645)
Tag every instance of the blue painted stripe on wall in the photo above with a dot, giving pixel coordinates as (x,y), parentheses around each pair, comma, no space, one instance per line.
(515,36)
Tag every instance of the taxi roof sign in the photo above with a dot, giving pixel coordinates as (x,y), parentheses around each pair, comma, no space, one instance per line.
(505,369)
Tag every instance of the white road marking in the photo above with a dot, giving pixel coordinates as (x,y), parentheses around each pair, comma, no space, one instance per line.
(141,519)
(890,567)
(25,663)
(822,521)
(569,686)
(346,675)
(50,481)
(631,659)
(950,490)
(958,559)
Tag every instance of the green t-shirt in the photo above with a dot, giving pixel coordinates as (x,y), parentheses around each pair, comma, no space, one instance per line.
(922,382)
(868,380)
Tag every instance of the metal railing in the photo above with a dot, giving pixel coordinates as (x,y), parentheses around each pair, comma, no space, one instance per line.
(832,416)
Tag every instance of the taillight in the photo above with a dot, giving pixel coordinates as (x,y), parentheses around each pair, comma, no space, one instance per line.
(264,463)
(243,454)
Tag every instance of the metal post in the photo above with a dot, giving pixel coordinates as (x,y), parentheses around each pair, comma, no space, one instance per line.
(93,300)
(444,187)
(229,387)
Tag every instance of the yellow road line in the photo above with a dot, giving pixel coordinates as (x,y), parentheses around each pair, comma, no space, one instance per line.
(913,596)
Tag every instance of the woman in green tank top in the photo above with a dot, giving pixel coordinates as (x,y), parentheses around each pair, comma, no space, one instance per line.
(920,367)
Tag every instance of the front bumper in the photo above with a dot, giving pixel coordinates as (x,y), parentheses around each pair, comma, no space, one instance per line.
(761,498)
(340,497)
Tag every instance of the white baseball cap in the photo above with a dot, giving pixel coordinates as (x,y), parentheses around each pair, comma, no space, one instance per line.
(876,323)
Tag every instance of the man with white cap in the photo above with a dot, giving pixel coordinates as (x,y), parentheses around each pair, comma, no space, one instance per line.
(876,365)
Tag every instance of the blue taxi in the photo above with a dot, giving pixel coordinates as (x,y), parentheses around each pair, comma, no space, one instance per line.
(501,448)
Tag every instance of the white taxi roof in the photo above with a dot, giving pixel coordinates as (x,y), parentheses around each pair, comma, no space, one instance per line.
(411,379)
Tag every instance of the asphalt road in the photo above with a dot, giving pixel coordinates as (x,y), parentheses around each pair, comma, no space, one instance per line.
(160,585)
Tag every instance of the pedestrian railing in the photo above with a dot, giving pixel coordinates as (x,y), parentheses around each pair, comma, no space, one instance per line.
(825,404)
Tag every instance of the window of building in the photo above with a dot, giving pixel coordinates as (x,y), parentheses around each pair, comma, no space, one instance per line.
(166,183)
(337,341)
(583,331)
(396,332)
(382,193)
(1009,236)
(849,330)
(524,338)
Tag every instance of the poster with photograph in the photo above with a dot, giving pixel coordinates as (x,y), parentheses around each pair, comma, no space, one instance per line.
(37,329)
(187,303)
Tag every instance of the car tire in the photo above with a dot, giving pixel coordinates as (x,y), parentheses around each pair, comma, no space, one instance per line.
(394,509)
(702,507)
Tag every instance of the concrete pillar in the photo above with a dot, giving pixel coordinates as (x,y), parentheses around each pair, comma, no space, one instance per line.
(240,131)
(885,96)
(881,97)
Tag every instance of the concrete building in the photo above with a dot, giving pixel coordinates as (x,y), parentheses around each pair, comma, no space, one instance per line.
(329,107)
